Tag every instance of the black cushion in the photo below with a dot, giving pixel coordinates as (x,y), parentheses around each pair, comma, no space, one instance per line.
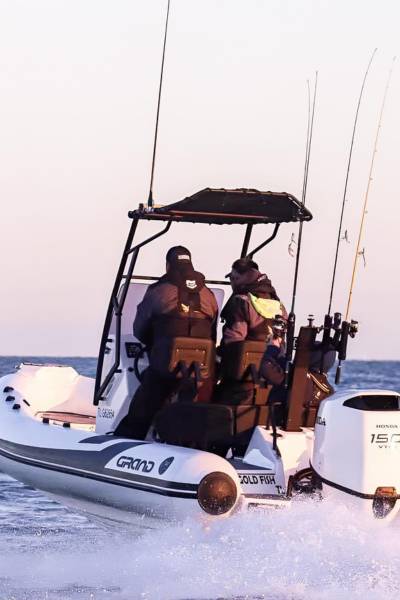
(241,360)
(195,425)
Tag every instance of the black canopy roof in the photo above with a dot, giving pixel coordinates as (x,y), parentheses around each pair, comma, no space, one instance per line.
(228,207)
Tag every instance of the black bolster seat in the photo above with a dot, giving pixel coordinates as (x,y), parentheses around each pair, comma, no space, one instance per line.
(241,366)
(192,357)
(191,420)
(218,426)
(242,360)
(211,427)
(195,425)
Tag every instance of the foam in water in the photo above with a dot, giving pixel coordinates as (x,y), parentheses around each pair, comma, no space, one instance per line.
(311,550)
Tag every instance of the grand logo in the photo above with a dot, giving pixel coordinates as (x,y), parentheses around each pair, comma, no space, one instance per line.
(135,464)
(165,464)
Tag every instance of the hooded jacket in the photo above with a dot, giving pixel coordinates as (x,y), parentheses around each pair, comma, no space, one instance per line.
(250,311)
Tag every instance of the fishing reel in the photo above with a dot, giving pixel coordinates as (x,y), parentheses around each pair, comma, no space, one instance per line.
(337,342)
(353,328)
(279,326)
(342,331)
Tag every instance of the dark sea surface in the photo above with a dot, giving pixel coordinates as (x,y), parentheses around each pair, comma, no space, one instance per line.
(309,551)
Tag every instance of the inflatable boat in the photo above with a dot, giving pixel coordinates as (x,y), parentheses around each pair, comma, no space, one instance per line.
(57,427)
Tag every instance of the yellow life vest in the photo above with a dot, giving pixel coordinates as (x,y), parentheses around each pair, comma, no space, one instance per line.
(265,307)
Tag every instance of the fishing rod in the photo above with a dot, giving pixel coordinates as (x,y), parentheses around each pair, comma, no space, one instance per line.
(339,237)
(291,324)
(341,330)
(350,328)
(150,202)
(364,209)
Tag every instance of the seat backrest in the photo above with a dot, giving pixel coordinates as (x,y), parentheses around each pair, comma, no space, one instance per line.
(191,352)
(238,359)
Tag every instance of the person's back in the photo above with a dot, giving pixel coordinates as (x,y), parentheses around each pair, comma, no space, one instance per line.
(178,305)
(251,311)
(249,315)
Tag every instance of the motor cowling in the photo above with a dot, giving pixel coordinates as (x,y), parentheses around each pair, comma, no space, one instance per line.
(357,442)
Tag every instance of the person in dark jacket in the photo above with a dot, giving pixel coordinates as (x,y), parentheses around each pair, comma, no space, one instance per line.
(251,311)
(178,305)
(250,314)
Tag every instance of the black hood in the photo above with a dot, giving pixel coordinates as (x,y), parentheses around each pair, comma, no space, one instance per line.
(259,285)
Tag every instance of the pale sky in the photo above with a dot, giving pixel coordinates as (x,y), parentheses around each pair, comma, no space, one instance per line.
(78,90)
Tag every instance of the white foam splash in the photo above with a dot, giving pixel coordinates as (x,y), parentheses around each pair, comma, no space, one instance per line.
(312,550)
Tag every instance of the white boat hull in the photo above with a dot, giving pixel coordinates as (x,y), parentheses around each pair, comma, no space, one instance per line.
(127,480)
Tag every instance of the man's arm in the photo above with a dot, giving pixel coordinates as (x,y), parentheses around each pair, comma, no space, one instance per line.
(214,324)
(236,322)
(142,328)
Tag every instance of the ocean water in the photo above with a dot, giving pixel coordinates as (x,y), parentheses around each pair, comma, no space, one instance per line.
(309,551)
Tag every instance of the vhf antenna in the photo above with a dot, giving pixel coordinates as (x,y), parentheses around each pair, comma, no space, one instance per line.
(150,202)
(310,127)
(291,325)
(346,182)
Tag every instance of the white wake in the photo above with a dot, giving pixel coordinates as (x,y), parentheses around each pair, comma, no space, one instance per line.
(312,550)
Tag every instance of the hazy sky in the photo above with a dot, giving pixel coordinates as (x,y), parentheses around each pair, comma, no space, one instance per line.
(78,87)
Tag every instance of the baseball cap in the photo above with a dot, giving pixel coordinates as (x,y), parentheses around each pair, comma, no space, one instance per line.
(243,265)
(179,255)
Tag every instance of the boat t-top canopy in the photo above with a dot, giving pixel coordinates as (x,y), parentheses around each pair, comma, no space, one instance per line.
(213,206)
(229,207)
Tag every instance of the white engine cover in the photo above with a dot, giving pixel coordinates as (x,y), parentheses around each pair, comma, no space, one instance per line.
(357,441)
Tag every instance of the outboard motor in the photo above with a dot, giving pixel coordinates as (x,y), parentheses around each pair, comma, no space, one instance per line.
(357,448)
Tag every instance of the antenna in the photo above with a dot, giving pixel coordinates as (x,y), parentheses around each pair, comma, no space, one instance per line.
(364,210)
(310,128)
(347,180)
(150,198)
(291,325)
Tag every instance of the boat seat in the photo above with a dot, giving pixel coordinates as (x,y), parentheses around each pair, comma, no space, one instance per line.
(241,361)
(240,370)
(192,361)
(195,425)
(192,357)
(211,427)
